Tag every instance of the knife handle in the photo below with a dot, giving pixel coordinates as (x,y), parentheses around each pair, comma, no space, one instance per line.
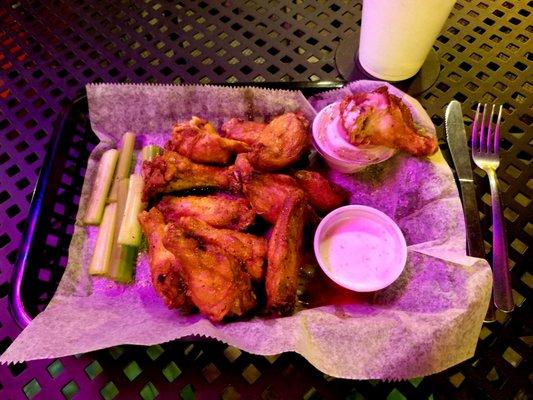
(474,237)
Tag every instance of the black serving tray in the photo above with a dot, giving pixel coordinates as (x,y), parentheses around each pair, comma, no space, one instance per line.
(43,252)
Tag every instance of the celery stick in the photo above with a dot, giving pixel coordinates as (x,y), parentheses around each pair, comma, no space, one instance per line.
(104,242)
(124,163)
(130,229)
(121,267)
(122,257)
(150,152)
(104,176)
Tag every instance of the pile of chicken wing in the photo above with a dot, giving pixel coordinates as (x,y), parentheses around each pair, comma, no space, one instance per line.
(206,252)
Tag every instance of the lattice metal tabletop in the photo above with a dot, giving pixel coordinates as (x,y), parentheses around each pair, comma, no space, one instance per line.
(50,50)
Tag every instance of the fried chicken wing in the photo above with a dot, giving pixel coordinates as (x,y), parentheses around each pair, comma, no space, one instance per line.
(170,171)
(198,140)
(218,210)
(281,143)
(323,195)
(380,118)
(245,131)
(249,249)
(241,171)
(267,192)
(165,271)
(284,256)
(217,283)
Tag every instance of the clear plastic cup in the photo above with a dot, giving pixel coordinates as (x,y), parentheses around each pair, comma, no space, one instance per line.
(344,157)
(360,248)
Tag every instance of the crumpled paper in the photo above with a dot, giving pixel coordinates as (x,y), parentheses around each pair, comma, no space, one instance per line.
(425,322)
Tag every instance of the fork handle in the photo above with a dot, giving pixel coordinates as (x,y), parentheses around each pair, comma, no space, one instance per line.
(474,237)
(503,296)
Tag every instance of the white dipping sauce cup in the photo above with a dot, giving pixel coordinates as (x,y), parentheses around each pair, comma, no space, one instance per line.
(360,248)
(328,139)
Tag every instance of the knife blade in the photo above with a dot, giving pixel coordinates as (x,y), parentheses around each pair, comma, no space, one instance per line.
(456,138)
(290,85)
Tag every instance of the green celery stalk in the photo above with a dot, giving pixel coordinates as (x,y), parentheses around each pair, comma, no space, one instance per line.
(150,152)
(130,229)
(122,257)
(124,163)
(104,176)
(104,242)
(130,233)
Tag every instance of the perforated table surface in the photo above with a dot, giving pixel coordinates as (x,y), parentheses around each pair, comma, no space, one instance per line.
(50,50)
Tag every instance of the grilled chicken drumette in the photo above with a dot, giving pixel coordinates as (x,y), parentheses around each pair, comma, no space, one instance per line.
(170,172)
(217,283)
(285,255)
(166,273)
(198,140)
(218,210)
(380,118)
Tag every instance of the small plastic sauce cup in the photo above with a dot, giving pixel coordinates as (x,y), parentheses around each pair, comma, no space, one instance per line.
(360,248)
(339,153)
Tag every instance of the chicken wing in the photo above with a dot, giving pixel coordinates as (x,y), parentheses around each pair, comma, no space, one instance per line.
(323,195)
(245,131)
(267,192)
(198,140)
(241,171)
(217,283)
(218,210)
(248,249)
(165,271)
(380,118)
(284,256)
(170,171)
(281,143)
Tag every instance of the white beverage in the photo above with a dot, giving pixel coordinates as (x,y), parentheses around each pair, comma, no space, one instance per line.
(397,35)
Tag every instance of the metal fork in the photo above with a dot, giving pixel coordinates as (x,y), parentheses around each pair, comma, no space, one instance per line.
(485,153)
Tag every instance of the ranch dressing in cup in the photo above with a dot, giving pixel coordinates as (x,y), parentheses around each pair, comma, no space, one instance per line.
(360,248)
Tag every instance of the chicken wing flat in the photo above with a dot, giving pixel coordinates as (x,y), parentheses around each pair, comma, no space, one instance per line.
(245,131)
(380,118)
(284,256)
(281,143)
(218,210)
(267,193)
(170,171)
(217,283)
(166,273)
(323,195)
(198,140)
(249,249)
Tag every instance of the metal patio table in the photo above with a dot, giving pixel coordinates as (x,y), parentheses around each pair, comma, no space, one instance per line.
(50,49)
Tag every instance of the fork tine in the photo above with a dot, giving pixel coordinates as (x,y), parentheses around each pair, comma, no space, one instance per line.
(473,139)
(489,131)
(497,132)
(482,130)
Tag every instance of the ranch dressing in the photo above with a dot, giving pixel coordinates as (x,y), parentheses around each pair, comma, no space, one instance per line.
(360,251)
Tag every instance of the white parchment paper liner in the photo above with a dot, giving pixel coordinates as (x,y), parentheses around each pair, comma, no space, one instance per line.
(427,321)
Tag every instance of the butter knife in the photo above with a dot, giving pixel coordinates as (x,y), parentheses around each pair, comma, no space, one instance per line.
(456,137)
